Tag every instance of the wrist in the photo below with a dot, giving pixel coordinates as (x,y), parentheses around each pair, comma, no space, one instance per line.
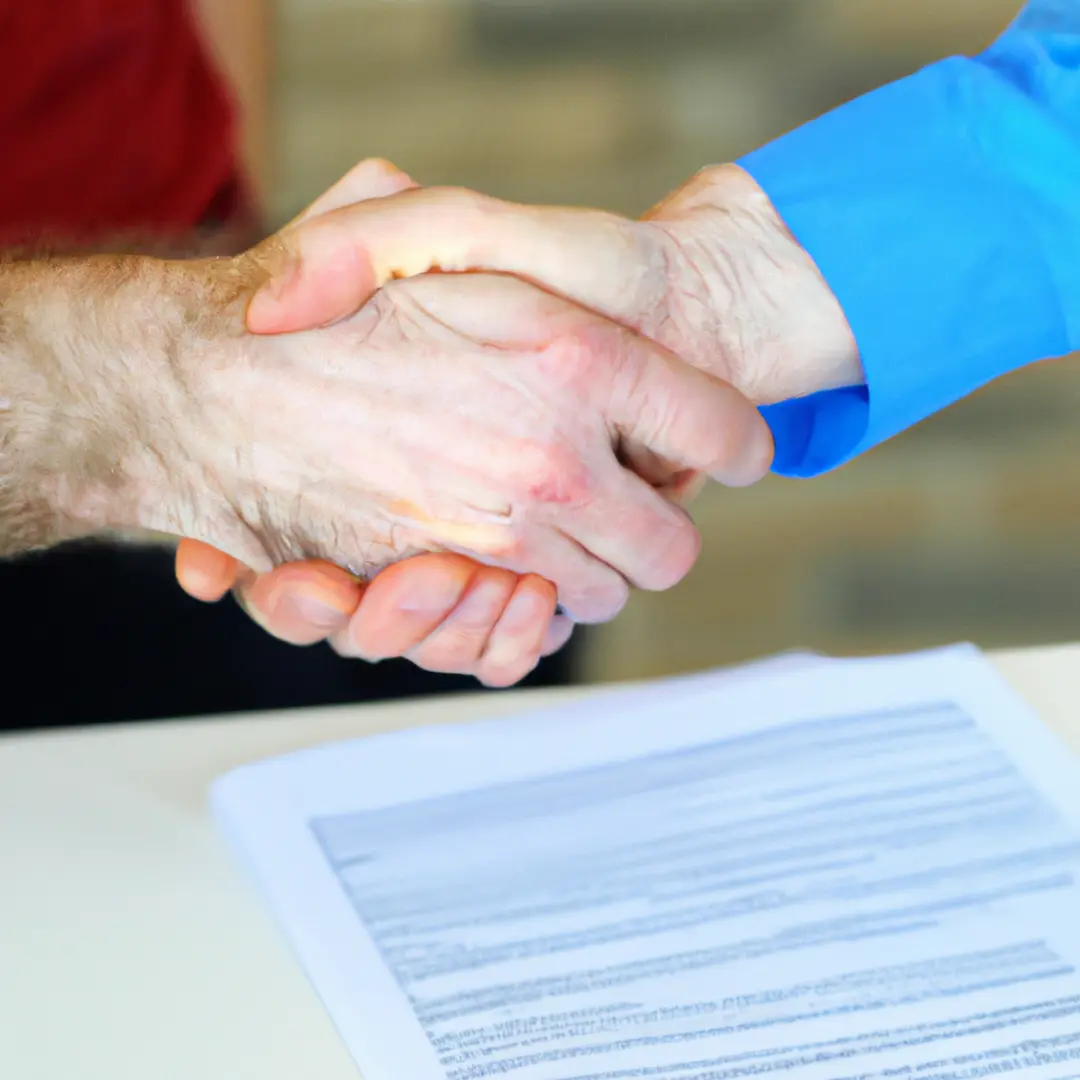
(757,312)
(187,470)
(93,374)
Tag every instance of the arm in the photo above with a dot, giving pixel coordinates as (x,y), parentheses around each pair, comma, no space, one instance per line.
(93,391)
(134,399)
(87,385)
(940,213)
(712,273)
(950,243)
(944,213)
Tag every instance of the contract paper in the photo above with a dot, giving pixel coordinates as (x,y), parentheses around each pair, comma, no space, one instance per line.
(814,869)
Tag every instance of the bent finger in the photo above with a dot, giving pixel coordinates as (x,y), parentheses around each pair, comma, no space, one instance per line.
(457,644)
(517,642)
(660,411)
(559,632)
(373,178)
(204,572)
(404,604)
(300,603)
(686,417)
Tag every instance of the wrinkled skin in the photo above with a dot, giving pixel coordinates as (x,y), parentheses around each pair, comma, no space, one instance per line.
(472,413)
(406,609)
(413,608)
(711,273)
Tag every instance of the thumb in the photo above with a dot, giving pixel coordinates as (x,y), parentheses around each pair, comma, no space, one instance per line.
(601,261)
(328,282)
(373,178)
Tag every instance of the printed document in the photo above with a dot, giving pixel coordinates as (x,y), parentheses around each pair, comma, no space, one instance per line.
(812,869)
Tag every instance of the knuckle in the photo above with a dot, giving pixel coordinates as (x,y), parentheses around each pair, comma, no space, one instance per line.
(468,629)
(462,199)
(514,549)
(577,356)
(553,473)
(511,547)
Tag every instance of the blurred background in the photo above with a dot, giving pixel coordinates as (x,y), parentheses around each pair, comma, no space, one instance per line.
(116,126)
(966,528)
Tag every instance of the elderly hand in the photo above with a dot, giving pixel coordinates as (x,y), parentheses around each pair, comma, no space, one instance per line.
(413,608)
(711,272)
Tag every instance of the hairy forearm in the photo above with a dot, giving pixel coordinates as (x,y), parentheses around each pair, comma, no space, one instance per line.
(92,384)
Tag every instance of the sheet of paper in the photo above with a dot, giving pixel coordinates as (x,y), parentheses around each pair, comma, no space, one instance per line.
(818,870)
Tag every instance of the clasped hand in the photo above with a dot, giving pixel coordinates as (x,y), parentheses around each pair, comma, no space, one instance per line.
(522,402)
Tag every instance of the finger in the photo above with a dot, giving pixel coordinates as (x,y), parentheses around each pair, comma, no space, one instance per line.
(331,280)
(373,178)
(204,572)
(404,604)
(589,589)
(411,603)
(677,484)
(516,643)
(602,261)
(559,632)
(632,529)
(683,417)
(456,645)
(686,417)
(591,526)
(301,603)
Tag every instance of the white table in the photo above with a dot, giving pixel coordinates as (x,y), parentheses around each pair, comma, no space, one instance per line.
(131,947)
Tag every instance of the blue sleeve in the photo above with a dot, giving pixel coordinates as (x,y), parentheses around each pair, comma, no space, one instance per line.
(944,212)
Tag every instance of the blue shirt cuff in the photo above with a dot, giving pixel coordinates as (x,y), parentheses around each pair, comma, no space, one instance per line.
(943,211)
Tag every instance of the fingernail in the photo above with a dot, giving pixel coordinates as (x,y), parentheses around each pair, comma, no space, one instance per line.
(433,595)
(314,609)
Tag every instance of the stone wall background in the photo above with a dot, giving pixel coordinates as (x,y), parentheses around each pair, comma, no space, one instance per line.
(967,528)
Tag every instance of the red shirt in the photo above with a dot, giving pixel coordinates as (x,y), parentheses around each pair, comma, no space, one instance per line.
(112,120)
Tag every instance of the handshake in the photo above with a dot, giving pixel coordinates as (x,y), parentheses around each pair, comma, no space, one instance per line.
(420,422)
(484,410)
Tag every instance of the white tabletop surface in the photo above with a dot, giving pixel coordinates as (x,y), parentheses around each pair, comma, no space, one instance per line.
(131,947)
